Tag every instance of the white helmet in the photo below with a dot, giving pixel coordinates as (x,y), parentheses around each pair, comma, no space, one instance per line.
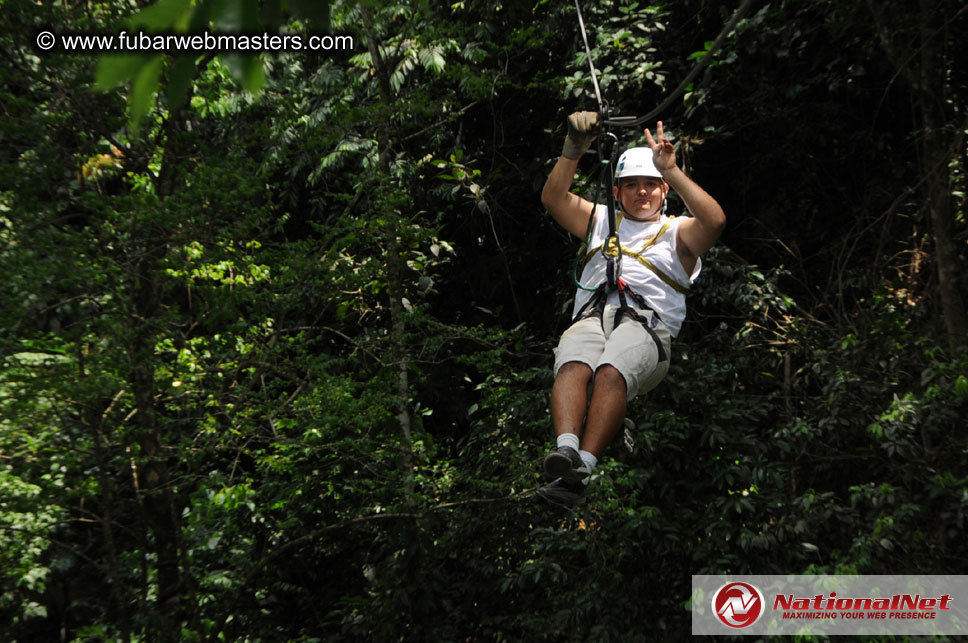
(636,161)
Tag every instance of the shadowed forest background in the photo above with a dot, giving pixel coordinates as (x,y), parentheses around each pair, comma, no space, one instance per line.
(276,331)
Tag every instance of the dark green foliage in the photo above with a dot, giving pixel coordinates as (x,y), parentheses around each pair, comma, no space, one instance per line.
(206,323)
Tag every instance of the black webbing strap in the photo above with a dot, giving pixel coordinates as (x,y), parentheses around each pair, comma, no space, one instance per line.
(624,309)
(613,258)
(595,306)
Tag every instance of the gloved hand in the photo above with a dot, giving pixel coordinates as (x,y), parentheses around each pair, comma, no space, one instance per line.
(582,130)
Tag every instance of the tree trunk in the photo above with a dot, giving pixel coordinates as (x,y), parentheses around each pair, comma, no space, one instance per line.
(119,592)
(926,72)
(942,216)
(153,479)
(395,267)
(931,91)
(162,517)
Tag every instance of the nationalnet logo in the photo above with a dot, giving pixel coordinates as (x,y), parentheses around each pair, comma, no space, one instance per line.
(738,604)
(830,604)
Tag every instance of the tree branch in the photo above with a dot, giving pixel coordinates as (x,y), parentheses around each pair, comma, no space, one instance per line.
(322,531)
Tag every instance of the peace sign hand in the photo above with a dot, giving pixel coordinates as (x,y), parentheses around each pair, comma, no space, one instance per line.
(663,152)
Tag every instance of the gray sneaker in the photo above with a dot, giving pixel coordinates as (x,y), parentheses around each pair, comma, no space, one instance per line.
(565,463)
(564,493)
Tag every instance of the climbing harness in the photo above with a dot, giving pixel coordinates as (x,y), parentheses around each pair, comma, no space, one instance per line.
(612,249)
(639,255)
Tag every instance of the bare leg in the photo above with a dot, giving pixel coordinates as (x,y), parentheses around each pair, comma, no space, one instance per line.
(569,398)
(606,411)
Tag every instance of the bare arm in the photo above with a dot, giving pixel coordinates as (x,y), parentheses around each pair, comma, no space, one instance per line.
(568,209)
(699,233)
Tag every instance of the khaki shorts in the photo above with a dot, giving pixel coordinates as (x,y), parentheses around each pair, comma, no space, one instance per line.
(629,348)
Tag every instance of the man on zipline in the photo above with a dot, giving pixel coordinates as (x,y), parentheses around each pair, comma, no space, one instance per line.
(619,342)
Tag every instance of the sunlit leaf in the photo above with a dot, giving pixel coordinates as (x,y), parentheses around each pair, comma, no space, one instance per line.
(143,90)
(114,69)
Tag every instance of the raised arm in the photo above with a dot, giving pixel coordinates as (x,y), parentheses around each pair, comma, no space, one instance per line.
(568,209)
(700,232)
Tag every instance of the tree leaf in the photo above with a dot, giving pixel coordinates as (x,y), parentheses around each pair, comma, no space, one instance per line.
(253,75)
(114,69)
(247,71)
(143,91)
(182,73)
(163,15)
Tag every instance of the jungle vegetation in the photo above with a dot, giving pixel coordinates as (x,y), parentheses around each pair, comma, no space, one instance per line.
(276,328)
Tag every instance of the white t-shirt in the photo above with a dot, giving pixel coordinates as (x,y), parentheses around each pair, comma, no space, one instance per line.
(634,235)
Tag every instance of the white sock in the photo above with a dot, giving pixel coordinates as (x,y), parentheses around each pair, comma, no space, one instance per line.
(589,461)
(568,440)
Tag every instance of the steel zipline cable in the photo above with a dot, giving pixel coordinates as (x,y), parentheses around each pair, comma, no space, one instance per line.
(633,121)
(588,53)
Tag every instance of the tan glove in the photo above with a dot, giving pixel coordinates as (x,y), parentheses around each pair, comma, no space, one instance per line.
(582,130)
